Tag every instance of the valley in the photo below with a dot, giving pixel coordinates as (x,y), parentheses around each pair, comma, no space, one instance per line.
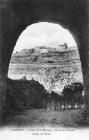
(50,67)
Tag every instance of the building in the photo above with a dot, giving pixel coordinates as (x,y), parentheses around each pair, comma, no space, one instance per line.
(63,47)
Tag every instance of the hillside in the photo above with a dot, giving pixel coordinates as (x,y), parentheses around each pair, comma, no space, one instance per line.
(50,67)
(45,55)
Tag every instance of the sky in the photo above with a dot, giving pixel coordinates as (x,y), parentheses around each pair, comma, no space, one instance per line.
(44,33)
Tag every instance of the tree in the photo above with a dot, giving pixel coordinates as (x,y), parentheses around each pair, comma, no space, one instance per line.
(46,99)
(68,93)
(54,100)
(73,94)
(78,89)
(60,100)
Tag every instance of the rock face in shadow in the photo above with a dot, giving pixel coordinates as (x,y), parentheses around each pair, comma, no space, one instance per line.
(23,94)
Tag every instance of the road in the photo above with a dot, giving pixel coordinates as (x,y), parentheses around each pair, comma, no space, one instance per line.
(42,117)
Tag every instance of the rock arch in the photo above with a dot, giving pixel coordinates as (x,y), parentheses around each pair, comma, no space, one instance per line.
(16,15)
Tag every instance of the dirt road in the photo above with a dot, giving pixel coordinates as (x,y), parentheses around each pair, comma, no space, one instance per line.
(42,117)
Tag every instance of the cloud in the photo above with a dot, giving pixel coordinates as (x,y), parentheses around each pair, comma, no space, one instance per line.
(44,34)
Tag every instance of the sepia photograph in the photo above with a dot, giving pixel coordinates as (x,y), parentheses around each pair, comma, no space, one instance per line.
(44,66)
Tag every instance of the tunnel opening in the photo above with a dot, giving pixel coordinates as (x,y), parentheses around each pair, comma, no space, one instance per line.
(44,64)
(42,43)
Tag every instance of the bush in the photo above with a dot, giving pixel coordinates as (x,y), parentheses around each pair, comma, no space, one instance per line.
(23,94)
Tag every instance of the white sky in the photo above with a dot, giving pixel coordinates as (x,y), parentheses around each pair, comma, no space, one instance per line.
(44,33)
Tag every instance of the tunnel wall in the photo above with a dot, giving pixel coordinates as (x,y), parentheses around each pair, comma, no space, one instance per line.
(16,15)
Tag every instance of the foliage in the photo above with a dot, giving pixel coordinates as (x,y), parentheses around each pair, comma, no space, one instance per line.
(23,94)
(73,92)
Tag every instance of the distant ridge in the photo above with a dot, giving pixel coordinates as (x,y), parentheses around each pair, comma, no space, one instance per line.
(45,54)
(40,49)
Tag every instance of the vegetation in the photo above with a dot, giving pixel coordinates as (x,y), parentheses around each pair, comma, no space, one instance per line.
(70,96)
(31,97)
(23,94)
(73,94)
